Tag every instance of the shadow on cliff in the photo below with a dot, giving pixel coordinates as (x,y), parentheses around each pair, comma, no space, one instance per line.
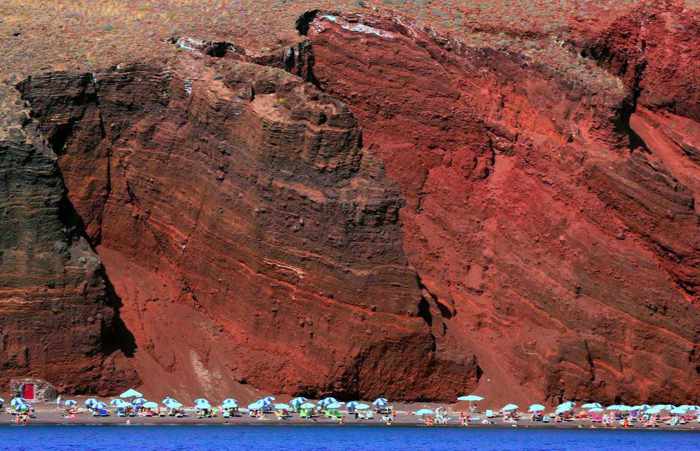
(121,338)
(118,337)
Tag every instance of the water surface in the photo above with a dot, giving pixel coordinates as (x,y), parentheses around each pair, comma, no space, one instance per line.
(302,438)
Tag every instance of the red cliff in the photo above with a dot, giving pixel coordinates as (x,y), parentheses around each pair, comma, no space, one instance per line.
(405,214)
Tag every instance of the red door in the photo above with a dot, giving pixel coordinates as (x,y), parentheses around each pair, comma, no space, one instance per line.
(28,391)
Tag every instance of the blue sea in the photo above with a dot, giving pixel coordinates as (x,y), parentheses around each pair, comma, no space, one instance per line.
(146,438)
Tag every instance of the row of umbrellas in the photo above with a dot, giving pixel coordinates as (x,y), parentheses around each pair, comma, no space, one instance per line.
(267,404)
(592,407)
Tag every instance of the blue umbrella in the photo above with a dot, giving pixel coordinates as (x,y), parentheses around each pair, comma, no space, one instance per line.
(202,403)
(422,412)
(592,405)
(568,405)
(679,411)
(19,404)
(229,403)
(70,403)
(595,409)
(510,407)
(100,405)
(150,405)
(118,403)
(90,403)
(470,398)
(361,406)
(325,401)
(562,408)
(297,402)
(131,393)
(307,405)
(334,405)
(351,405)
(282,406)
(380,402)
(257,405)
(139,402)
(174,404)
(536,408)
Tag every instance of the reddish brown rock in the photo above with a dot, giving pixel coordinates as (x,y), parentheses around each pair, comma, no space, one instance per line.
(562,255)
(57,317)
(516,219)
(249,236)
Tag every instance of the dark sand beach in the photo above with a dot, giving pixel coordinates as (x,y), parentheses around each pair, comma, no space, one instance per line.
(48,414)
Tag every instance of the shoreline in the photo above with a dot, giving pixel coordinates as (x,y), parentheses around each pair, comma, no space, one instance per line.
(56,419)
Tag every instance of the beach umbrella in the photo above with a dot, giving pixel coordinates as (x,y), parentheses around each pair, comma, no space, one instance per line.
(562,408)
(566,406)
(307,405)
(131,393)
(281,406)
(351,405)
(422,412)
(595,410)
(297,402)
(536,408)
(268,399)
(19,404)
(118,403)
(509,407)
(380,402)
(229,403)
(90,403)
(100,405)
(334,405)
(139,402)
(592,405)
(325,401)
(70,403)
(361,406)
(679,411)
(150,405)
(684,406)
(171,403)
(202,403)
(470,398)
(257,405)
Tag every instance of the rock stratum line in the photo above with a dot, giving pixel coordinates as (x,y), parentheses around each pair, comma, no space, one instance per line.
(377,210)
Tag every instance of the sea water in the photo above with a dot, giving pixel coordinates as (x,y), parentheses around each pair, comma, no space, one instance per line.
(301,438)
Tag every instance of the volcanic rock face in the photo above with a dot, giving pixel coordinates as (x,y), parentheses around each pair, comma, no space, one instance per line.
(406,215)
(250,237)
(56,314)
(566,257)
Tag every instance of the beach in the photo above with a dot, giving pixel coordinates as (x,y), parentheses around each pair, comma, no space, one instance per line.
(48,414)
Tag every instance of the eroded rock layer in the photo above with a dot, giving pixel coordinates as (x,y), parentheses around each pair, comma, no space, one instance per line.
(249,236)
(404,214)
(57,315)
(562,247)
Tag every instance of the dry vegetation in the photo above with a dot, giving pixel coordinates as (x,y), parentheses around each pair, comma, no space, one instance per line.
(42,35)
(83,34)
